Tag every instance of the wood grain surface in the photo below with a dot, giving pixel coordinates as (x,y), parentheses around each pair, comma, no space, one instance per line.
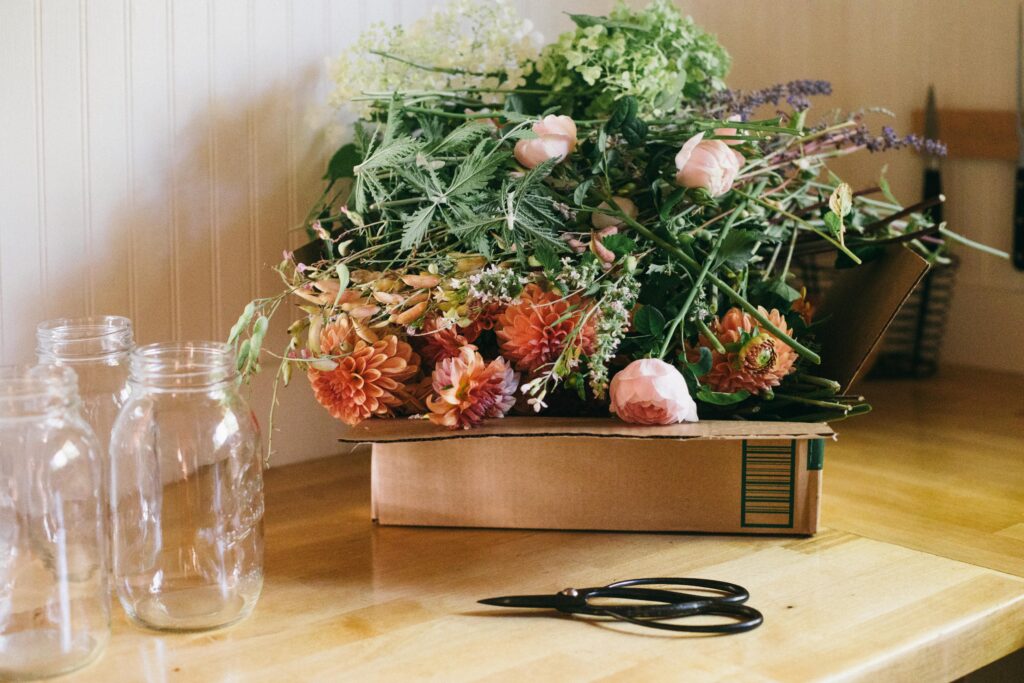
(870,598)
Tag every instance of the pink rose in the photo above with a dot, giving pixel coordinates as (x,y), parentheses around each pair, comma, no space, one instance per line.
(727,132)
(603,220)
(710,164)
(649,391)
(556,139)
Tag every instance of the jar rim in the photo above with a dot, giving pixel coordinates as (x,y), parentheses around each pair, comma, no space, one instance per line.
(36,388)
(183,364)
(84,338)
(75,328)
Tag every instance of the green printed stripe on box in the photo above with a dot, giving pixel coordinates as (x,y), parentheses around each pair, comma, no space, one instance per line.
(769,476)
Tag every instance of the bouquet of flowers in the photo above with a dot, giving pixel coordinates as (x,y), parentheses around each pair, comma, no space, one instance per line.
(598,224)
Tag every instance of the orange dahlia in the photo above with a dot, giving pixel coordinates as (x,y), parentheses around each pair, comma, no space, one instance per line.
(437,342)
(367,382)
(803,306)
(486,318)
(534,331)
(468,390)
(754,362)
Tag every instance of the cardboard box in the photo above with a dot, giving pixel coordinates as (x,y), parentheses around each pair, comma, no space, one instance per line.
(603,474)
(595,473)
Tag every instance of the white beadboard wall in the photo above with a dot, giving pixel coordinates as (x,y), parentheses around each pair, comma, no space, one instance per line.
(155,154)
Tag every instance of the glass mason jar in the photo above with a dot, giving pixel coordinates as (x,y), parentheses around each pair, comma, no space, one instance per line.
(97,349)
(186,490)
(54,595)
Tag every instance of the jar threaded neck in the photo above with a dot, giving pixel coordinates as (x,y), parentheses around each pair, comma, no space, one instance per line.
(91,338)
(31,391)
(183,366)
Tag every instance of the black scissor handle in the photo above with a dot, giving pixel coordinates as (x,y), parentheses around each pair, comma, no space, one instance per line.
(668,604)
(731,593)
(746,619)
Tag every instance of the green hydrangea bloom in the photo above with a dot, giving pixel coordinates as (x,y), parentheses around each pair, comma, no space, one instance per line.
(657,55)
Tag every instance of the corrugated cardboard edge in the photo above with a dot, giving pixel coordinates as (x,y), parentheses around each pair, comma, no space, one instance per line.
(859,307)
(399,430)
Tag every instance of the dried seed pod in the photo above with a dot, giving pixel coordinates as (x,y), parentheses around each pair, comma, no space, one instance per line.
(388,299)
(316,326)
(425,281)
(362,277)
(360,310)
(411,315)
(364,332)
(417,298)
(469,264)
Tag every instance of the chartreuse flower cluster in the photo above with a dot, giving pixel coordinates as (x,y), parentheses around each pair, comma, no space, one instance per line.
(510,231)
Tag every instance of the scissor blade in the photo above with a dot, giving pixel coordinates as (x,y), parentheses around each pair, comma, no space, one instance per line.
(539,601)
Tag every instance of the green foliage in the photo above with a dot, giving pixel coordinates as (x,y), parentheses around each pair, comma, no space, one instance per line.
(655,55)
(649,321)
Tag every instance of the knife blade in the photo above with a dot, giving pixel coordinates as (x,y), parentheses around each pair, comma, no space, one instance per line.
(1018,208)
(932,171)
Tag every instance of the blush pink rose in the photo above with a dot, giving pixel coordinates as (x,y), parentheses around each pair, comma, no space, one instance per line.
(649,391)
(556,139)
(710,164)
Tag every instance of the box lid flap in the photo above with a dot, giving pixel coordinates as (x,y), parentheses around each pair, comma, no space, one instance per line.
(859,307)
(397,430)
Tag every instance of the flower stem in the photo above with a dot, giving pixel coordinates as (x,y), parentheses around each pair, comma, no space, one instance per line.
(971,243)
(800,221)
(425,67)
(733,295)
(706,331)
(699,280)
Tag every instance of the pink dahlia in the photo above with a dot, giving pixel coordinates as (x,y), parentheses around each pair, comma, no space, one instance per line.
(535,331)
(468,389)
(436,342)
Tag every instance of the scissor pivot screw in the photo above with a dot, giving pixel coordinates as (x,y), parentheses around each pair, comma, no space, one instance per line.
(571,592)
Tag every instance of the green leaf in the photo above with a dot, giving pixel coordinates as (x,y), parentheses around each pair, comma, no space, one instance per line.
(546,256)
(416,227)
(883,184)
(623,114)
(242,322)
(580,194)
(620,245)
(634,131)
(242,359)
(343,276)
(703,364)
(343,163)
(461,137)
(670,202)
(649,321)
(834,224)
(476,171)
(782,290)
(720,398)
(841,201)
(588,20)
(736,250)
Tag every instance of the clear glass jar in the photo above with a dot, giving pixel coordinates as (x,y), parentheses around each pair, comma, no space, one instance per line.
(97,349)
(54,595)
(186,490)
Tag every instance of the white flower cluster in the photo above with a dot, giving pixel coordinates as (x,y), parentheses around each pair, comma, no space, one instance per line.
(465,43)
(577,277)
(496,285)
(612,324)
